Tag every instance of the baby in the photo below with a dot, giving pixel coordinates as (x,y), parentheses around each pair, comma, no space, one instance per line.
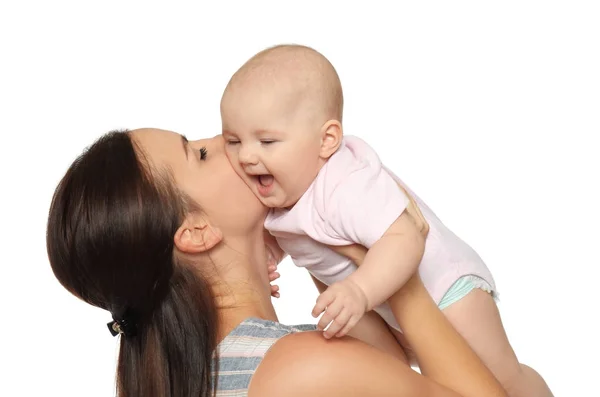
(282,114)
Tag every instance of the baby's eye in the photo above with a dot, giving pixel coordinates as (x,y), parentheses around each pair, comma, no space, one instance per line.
(232,142)
(267,141)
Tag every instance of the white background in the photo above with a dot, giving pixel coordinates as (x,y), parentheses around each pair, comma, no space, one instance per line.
(490,112)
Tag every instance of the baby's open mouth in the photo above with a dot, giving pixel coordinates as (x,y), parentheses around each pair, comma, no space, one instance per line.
(265,180)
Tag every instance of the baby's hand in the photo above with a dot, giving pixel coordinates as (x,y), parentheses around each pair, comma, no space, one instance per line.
(344,303)
(273,274)
(274,256)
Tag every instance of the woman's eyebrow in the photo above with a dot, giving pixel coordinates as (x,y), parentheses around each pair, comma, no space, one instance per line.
(184,143)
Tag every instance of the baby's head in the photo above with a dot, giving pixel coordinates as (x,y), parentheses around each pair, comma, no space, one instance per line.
(281,114)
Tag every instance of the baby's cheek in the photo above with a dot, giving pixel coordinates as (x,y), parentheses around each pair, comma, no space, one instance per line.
(234,161)
(230,156)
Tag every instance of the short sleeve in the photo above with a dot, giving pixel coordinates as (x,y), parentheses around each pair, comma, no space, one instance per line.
(364,205)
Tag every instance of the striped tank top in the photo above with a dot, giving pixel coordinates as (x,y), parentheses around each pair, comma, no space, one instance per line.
(241,352)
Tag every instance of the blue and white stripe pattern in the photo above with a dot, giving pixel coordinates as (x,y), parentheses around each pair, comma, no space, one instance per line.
(242,351)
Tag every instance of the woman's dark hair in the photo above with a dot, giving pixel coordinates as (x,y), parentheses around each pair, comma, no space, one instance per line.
(110,242)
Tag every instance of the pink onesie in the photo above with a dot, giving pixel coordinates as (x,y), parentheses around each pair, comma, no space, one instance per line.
(355,199)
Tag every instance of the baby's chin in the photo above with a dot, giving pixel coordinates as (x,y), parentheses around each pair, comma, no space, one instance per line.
(276,202)
(270,202)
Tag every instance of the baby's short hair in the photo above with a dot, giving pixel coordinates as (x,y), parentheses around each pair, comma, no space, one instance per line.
(304,67)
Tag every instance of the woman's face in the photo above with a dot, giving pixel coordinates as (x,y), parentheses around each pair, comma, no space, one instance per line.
(201,170)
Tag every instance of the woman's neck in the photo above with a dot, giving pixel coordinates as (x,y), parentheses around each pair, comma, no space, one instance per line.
(241,286)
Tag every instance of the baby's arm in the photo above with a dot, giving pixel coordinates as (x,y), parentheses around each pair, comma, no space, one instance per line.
(389,263)
(274,251)
(274,256)
(370,328)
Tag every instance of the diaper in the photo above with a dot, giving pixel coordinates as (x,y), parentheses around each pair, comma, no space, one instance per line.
(462,287)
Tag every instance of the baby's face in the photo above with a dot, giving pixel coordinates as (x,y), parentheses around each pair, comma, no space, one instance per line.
(272,143)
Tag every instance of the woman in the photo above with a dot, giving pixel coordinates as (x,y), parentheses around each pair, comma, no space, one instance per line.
(163,234)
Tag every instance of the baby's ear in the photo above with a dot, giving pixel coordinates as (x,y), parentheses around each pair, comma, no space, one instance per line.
(331,138)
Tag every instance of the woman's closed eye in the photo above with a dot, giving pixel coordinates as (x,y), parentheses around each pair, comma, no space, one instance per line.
(203,153)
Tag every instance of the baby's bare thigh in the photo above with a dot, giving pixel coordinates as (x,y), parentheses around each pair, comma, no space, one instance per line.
(477,319)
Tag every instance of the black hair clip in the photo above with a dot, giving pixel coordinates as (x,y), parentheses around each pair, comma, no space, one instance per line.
(114,328)
(124,326)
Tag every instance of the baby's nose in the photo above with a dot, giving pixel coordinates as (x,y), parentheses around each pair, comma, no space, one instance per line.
(247,155)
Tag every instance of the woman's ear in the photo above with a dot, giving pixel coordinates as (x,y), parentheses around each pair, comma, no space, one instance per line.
(197,235)
(331,138)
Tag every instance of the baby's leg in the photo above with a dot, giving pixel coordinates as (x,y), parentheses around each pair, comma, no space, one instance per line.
(477,319)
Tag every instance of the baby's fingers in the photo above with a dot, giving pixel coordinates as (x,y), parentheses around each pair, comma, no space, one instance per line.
(324,300)
(337,324)
(275,291)
(274,276)
(352,321)
(331,313)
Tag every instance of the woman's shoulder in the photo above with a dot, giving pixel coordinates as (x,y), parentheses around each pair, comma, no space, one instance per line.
(305,363)
(259,327)
(253,338)
(241,352)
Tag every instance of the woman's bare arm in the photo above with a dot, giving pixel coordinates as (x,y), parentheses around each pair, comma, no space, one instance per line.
(443,355)
(307,364)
